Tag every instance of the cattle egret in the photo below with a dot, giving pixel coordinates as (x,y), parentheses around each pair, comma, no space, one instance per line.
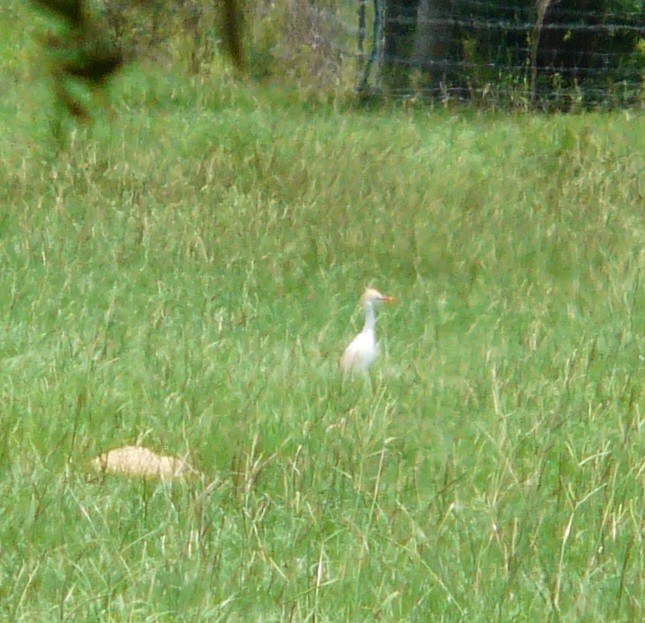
(363,350)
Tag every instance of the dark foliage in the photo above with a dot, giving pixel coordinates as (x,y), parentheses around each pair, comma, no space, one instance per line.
(71,11)
(88,52)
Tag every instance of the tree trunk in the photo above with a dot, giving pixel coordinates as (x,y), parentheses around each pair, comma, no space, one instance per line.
(398,31)
(432,43)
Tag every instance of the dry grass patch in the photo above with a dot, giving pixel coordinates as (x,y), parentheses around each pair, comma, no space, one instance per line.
(141,462)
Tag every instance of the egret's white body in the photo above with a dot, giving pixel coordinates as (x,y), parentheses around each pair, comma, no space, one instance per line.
(363,349)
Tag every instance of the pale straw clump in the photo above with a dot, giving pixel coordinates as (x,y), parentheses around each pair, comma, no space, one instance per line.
(141,462)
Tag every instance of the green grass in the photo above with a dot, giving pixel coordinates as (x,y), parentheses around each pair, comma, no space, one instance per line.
(187,275)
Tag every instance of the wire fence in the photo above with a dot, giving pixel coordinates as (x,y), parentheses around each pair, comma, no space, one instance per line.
(546,53)
(551,54)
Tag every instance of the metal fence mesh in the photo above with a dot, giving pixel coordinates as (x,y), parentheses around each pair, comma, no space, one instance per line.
(553,54)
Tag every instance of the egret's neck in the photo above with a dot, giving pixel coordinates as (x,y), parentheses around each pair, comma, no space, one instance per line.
(370,319)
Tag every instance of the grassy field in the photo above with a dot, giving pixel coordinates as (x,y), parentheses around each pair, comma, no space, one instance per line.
(186,275)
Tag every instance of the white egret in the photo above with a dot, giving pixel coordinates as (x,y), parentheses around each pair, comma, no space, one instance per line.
(363,350)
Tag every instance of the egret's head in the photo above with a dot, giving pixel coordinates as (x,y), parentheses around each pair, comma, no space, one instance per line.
(371,297)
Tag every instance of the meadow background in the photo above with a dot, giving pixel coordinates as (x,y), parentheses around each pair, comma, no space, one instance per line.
(185,272)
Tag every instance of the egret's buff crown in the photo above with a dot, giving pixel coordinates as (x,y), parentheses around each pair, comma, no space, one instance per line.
(374,296)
